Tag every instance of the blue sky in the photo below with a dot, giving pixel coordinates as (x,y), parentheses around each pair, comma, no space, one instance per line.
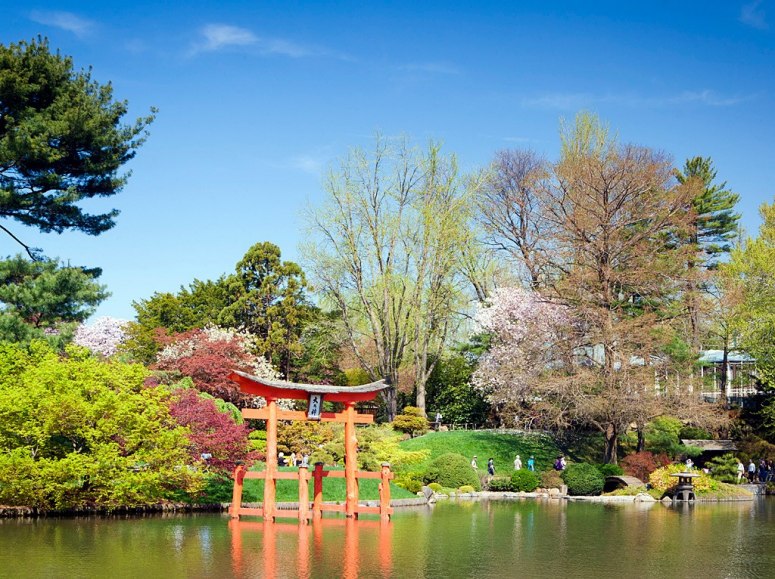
(257,99)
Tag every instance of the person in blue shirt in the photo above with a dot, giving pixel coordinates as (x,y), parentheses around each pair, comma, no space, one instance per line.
(531,463)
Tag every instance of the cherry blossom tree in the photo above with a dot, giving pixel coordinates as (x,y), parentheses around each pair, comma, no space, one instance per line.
(103,336)
(525,330)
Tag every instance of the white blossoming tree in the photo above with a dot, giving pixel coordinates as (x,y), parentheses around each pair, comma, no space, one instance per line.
(525,331)
(103,336)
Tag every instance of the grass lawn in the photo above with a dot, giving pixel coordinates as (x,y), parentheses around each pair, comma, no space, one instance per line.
(333,489)
(485,444)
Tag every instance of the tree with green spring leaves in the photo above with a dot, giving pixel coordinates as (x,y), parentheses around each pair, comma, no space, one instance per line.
(77,431)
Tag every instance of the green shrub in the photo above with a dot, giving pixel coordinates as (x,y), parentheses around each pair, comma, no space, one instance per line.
(610,469)
(435,487)
(694,433)
(524,481)
(723,468)
(661,480)
(551,479)
(500,484)
(583,479)
(411,481)
(452,470)
(412,421)
(467,489)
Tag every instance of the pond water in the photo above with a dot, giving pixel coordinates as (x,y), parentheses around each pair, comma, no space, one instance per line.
(456,539)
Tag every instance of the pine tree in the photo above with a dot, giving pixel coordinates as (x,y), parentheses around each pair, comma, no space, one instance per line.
(712,227)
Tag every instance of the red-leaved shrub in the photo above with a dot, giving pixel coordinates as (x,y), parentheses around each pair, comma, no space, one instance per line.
(212,432)
(642,464)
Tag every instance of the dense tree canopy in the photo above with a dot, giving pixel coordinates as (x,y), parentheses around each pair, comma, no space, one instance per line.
(752,269)
(62,140)
(76,431)
(268,300)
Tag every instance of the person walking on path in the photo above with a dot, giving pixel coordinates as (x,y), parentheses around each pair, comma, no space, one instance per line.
(517,463)
(740,471)
(473,463)
(491,467)
(531,463)
(751,471)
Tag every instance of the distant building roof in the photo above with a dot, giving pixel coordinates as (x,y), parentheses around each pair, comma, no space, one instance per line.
(711,445)
(717,356)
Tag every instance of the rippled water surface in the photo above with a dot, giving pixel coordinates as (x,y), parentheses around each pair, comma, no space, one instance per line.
(465,539)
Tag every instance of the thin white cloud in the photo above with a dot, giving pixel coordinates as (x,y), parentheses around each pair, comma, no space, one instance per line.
(218,36)
(579,100)
(68,21)
(706,97)
(430,67)
(215,37)
(752,15)
(308,164)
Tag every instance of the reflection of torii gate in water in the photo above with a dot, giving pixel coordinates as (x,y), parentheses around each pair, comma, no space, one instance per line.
(315,395)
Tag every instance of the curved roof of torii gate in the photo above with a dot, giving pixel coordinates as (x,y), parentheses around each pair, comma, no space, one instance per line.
(278,389)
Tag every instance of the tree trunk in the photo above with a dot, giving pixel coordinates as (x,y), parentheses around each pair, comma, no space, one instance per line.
(641,438)
(724,373)
(611,445)
(389,396)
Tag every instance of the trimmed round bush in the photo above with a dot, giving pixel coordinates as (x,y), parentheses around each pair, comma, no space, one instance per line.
(435,487)
(452,471)
(524,481)
(610,469)
(467,489)
(551,479)
(500,484)
(583,479)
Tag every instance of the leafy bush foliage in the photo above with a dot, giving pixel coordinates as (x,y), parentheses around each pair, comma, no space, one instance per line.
(452,470)
(723,468)
(376,444)
(77,431)
(435,487)
(450,392)
(661,480)
(642,464)
(662,436)
(583,479)
(551,479)
(694,433)
(411,421)
(467,489)
(500,484)
(609,469)
(211,431)
(302,436)
(524,481)
(411,481)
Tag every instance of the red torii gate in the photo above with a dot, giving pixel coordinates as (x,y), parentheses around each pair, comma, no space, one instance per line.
(315,395)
